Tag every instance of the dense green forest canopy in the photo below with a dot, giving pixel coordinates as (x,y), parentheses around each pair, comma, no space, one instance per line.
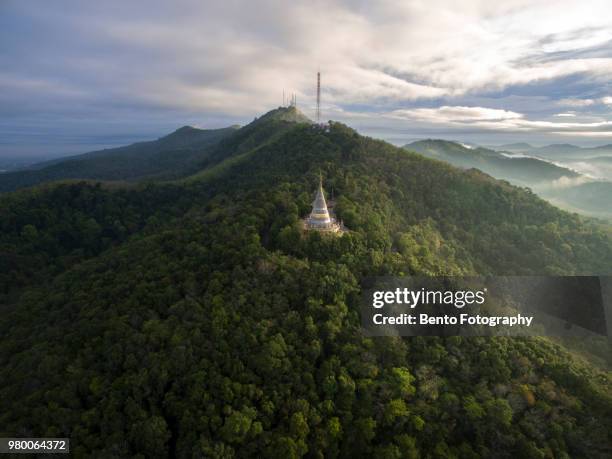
(196,319)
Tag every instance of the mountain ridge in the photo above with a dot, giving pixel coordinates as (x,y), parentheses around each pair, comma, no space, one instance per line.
(142,160)
(562,184)
(557,151)
(490,161)
(180,153)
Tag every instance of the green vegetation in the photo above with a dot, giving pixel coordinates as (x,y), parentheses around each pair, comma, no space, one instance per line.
(195,319)
(518,170)
(169,157)
(562,186)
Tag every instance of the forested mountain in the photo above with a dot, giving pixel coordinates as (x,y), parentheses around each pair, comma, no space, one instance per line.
(559,183)
(196,319)
(178,154)
(168,157)
(519,170)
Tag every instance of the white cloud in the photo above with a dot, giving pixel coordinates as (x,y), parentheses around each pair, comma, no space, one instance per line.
(565,115)
(583,133)
(575,40)
(568,182)
(500,120)
(458,114)
(368,52)
(595,171)
(572,102)
(550,126)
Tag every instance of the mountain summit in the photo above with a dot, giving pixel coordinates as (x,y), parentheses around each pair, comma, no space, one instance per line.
(290,114)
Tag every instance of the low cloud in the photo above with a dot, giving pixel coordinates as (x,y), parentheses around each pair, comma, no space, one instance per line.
(568,182)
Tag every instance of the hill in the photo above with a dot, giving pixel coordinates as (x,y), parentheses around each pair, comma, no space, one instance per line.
(563,186)
(176,155)
(194,319)
(166,157)
(519,170)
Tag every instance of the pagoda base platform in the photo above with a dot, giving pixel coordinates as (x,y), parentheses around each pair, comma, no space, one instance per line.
(333,228)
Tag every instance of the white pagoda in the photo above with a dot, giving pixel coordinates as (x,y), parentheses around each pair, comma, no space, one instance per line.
(320,219)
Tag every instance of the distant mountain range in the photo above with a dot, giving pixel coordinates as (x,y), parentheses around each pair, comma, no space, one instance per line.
(574,178)
(521,170)
(556,151)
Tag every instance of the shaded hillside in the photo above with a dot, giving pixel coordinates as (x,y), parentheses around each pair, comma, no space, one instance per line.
(176,155)
(594,197)
(167,157)
(256,134)
(212,327)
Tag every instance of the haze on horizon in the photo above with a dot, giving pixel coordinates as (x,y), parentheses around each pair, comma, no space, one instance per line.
(76,76)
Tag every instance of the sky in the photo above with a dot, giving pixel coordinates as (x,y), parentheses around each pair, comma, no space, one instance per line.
(76,76)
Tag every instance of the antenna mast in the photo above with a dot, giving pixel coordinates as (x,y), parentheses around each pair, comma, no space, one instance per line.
(318,114)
